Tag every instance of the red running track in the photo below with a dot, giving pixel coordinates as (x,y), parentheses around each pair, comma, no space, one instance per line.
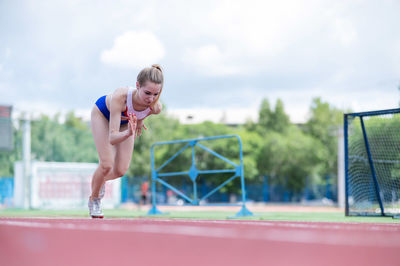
(119,242)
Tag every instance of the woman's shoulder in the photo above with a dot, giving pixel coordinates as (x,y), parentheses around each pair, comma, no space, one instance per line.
(120,93)
(118,97)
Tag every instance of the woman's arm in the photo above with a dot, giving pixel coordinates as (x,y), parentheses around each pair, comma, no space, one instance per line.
(116,107)
(154,111)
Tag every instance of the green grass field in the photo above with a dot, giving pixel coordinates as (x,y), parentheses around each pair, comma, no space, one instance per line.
(191,214)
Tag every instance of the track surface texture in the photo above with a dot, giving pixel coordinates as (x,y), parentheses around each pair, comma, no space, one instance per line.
(119,242)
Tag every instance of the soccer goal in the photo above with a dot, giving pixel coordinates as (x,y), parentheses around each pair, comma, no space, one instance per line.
(372,163)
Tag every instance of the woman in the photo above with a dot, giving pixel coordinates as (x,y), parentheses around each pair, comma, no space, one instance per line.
(116,119)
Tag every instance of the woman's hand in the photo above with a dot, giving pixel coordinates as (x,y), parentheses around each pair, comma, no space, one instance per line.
(132,124)
(139,127)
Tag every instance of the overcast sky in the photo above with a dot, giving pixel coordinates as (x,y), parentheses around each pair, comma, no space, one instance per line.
(223,56)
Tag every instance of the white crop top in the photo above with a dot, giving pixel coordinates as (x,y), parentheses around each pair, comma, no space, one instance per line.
(129,107)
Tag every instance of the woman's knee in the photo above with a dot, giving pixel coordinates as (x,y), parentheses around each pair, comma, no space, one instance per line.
(120,170)
(105,168)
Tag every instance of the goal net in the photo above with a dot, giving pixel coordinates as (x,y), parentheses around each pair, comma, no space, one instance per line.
(372,162)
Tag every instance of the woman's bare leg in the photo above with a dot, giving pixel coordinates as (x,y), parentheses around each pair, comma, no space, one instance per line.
(105,150)
(122,159)
(114,160)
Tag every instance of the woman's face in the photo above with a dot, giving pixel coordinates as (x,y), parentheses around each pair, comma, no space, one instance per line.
(148,92)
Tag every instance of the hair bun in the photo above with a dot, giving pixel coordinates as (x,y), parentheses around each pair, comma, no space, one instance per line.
(157,66)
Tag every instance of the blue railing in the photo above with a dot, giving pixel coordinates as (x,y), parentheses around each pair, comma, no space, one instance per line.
(6,190)
(237,171)
(255,192)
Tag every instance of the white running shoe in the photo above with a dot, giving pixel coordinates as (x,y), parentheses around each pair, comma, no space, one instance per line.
(95,208)
(102,191)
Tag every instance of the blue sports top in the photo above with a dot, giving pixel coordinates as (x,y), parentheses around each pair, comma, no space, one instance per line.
(101,104)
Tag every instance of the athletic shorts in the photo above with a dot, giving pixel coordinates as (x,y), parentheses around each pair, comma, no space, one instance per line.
(101,104)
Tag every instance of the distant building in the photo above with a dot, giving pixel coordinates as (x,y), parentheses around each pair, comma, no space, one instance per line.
(230,117)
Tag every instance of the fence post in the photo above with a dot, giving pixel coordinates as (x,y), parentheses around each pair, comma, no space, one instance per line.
(265,189)
(328,193)
(124,189)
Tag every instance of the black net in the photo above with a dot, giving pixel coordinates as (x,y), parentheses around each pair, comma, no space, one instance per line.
(373,176)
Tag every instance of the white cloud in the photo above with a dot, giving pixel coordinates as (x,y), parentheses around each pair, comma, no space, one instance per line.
(134,49)
(344,32)
(210,60)
(346,52)
(4,58)
(249,38)
(36,108)
(7,53)
(396,59)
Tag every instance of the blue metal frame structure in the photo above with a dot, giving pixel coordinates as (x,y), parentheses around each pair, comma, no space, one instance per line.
(346,164)
(361,115)
(237,171)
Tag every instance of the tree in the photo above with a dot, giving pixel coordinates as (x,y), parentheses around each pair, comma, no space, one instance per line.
(324,124)
(8,158)
(71,141)
(265,114)
(289,159)
(279,121)
(276,120)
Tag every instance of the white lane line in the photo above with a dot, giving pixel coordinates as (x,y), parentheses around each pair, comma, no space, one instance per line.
(351,226)
(305,225)
(271,234)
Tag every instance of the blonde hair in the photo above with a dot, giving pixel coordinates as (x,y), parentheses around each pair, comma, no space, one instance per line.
(153,74)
